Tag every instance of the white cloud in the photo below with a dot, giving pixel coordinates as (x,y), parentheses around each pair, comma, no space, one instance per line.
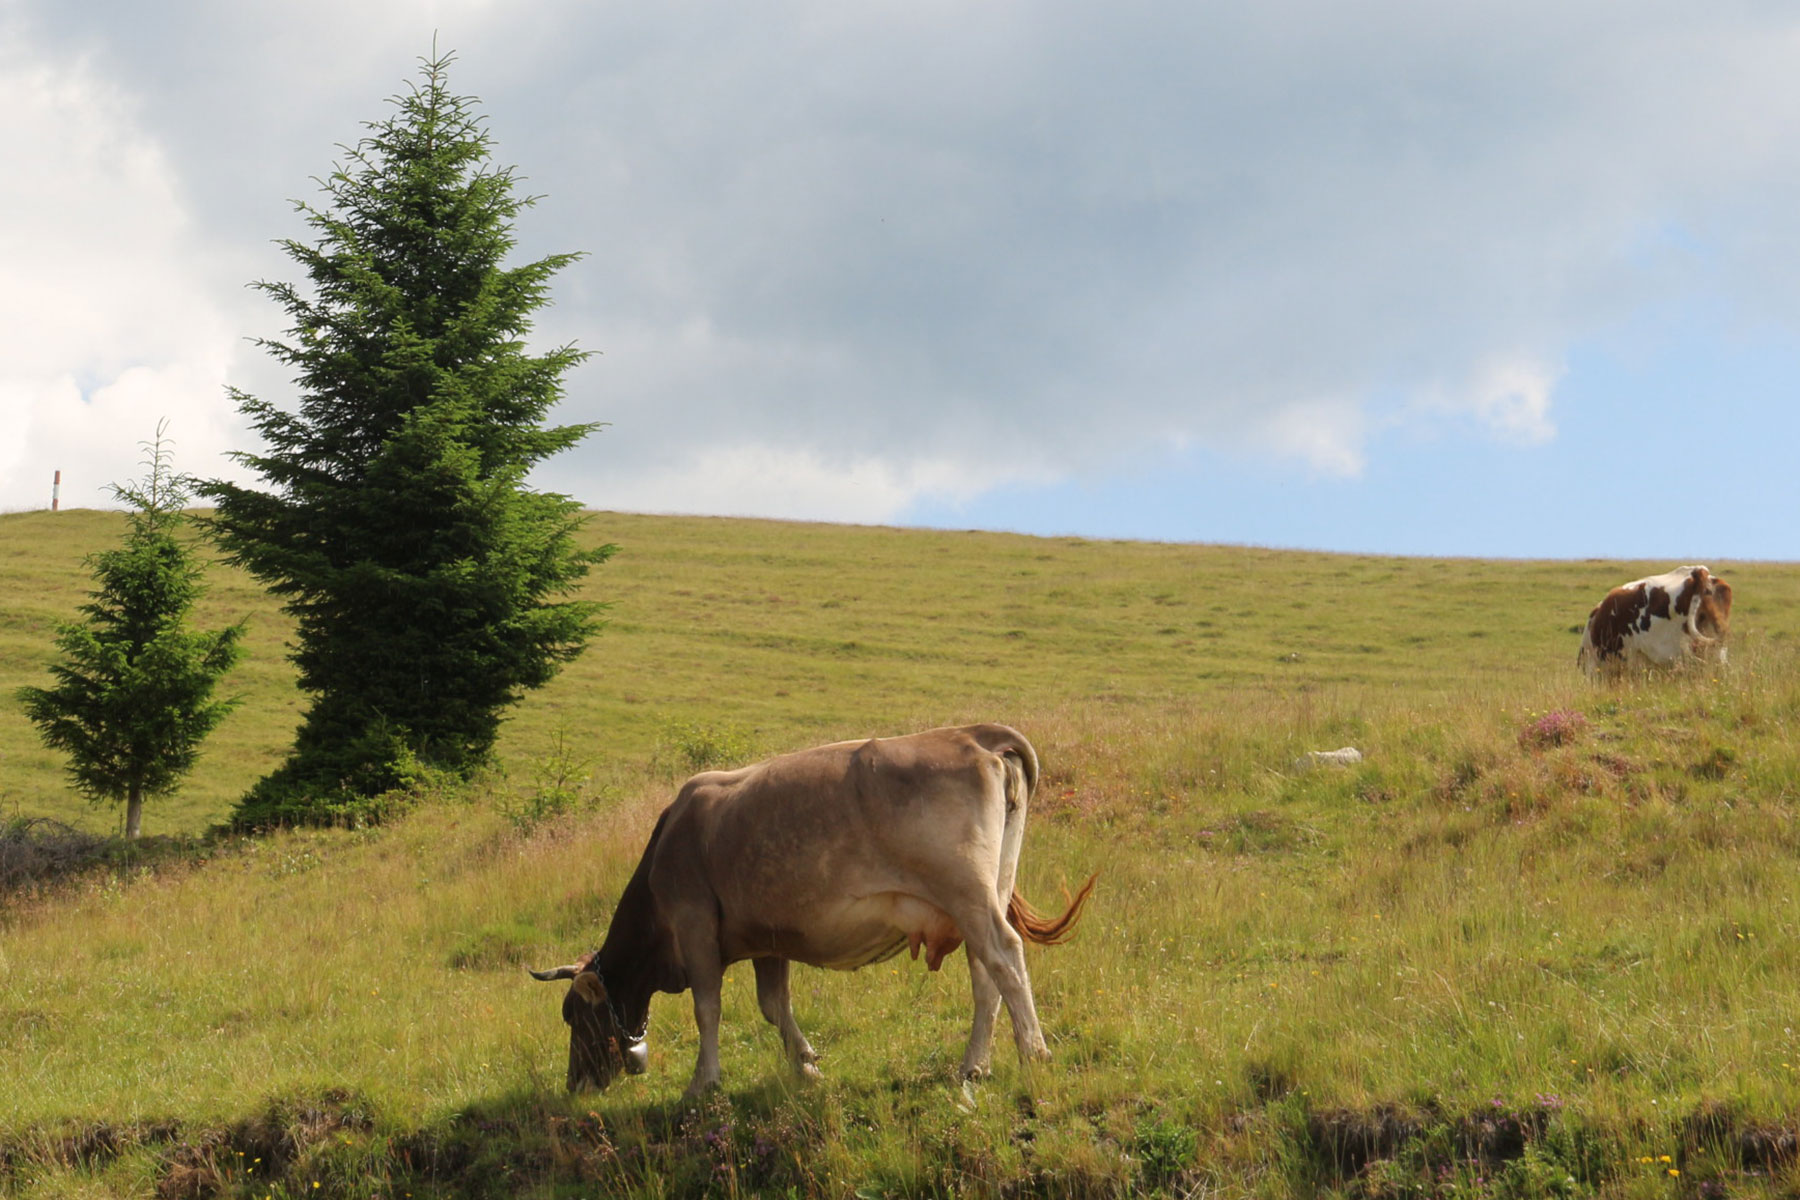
(96,439)
(106,319)
(1512,398)
(1507,397)
(1327,435)
(772,481)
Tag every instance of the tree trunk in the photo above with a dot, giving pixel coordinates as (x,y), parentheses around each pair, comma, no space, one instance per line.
(134,811)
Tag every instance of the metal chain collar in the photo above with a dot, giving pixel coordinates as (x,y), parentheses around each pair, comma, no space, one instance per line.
(618,1018)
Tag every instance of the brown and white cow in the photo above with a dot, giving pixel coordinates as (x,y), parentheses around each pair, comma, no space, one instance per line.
(1658,622)
(839,856)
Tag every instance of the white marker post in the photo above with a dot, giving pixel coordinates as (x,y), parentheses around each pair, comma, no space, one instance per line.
(56,491)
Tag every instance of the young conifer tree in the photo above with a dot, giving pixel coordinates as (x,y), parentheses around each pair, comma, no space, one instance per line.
(134,689)
(428,583)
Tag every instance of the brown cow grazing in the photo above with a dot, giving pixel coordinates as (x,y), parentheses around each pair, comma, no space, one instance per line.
(1658,621)
(839,856)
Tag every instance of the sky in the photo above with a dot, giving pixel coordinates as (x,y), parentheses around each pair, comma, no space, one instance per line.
(1513,279)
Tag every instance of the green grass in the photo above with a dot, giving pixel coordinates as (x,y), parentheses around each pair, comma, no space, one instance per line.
(1470,966)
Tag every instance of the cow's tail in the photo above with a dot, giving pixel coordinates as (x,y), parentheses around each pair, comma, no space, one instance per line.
(1034,926)
(1021,763)
(1018,757)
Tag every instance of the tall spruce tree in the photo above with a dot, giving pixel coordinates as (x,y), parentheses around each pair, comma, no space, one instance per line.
(133,698)
(428,583)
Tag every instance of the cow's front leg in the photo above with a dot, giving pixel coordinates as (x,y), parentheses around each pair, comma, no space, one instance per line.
(777,1008)
(706,979)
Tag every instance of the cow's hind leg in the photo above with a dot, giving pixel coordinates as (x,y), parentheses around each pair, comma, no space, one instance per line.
(994,944)
(772,997)
(981,1033)
(996,952)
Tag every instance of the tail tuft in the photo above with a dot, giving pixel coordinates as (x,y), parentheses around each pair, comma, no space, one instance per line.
(1034,926)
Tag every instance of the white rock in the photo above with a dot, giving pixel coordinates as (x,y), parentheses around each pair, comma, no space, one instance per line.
(1348,756)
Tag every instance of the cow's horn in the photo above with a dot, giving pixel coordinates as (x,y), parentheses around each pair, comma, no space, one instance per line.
(568,972)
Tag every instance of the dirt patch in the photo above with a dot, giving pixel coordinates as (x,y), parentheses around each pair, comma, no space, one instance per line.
(1748,1142)
(1345,1141)
(216,1161)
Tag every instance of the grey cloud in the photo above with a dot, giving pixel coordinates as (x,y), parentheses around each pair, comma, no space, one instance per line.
(921,233)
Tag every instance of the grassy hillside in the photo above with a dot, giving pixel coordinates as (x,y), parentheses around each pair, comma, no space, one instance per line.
(774,634)
(1485,962)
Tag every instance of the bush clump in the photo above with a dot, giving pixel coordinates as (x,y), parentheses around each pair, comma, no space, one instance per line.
(1558,727)
(33,849)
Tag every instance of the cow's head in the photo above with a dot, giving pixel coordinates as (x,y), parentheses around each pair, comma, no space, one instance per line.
(599,1044)
(1705,600)
(1714,620)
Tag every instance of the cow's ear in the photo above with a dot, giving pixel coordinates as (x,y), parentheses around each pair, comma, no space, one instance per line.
(587,985)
